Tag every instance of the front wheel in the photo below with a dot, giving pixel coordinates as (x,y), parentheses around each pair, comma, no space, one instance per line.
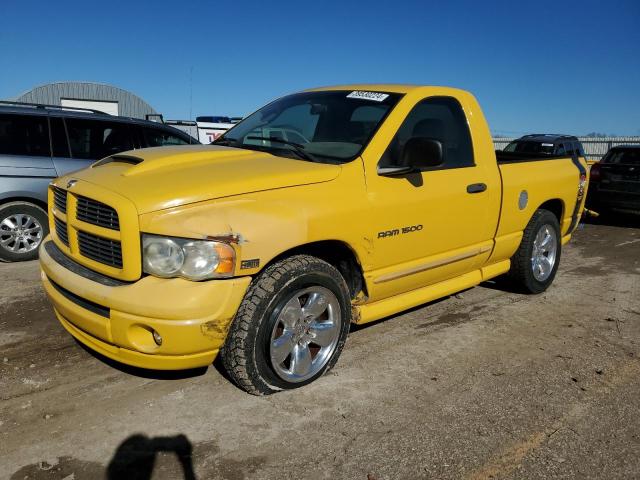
(23,226)
(534,265)
(290,327)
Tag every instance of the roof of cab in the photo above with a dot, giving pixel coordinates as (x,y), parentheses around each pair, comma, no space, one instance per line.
(381,87)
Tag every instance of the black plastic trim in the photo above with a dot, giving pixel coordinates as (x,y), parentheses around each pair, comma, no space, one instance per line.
(97,213)
(59,257)
(82,302)
(100,249)
(476,188)
(61,230)
(60,199)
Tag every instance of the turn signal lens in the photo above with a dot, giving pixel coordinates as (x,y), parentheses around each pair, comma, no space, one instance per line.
(582,186)
(227,255)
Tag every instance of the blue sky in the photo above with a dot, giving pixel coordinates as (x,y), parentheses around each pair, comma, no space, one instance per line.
(548,66)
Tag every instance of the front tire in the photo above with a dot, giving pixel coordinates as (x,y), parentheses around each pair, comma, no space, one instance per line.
(534,265)
(23,226)
(290,328)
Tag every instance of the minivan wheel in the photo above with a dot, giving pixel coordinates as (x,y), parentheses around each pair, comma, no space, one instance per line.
(290,327)
(23,226)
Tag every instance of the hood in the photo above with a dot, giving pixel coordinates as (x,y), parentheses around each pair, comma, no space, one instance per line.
(164,177)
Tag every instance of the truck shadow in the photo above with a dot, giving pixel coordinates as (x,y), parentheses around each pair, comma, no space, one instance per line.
(135,458)
(144,372)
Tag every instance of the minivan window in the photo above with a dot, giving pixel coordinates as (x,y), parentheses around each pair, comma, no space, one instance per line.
(59,145)
(24,135)
(530,147)
(95,139)
(159,138)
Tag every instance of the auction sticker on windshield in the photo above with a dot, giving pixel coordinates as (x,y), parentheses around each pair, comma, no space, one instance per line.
(375,96)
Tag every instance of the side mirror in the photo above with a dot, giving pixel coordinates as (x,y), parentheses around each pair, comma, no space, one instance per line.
(422,152)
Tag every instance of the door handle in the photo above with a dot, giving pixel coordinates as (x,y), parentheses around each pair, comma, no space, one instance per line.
(476,187)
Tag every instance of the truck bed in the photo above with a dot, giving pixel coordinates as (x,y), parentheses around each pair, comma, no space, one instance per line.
(527,183)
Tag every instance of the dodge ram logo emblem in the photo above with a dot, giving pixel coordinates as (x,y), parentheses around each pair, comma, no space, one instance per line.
(71,183)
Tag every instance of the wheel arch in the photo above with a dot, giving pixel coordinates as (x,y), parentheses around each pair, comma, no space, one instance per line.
(555,206)
(338,254)
(35,201)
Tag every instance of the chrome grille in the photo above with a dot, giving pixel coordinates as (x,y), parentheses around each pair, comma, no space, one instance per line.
(61,230)
(97,213)
(60,199)
(103,250)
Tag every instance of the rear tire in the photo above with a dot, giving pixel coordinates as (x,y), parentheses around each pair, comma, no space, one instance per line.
(534,265)
(290,328)
(23,226)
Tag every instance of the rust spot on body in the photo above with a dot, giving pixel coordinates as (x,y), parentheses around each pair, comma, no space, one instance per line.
(227,238)
(215,329)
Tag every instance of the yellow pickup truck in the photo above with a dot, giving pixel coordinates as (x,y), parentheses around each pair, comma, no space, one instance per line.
(324,208)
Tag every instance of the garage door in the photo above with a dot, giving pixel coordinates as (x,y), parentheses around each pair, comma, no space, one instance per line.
(107,107)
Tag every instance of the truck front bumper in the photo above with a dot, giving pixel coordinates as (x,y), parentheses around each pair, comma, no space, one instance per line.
(119,320)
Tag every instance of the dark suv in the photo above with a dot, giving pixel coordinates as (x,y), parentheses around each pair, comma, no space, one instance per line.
(546,144)
(39,143)
(614,183)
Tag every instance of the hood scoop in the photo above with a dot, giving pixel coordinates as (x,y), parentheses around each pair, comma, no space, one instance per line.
(128,159)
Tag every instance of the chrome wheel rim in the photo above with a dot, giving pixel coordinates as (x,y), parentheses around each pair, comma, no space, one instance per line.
(305,334)
(20,233)
(545,249)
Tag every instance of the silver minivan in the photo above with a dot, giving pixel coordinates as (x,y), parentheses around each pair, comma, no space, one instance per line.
(39,143)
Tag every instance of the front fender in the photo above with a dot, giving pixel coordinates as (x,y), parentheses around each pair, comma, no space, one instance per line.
(265,224)
(259,229)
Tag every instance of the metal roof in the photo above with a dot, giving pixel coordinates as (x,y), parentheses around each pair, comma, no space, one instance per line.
(129,104)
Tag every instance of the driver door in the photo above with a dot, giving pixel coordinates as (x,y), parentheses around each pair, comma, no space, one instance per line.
(437,223)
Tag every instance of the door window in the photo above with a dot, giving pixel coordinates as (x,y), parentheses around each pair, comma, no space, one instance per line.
(95,139)
(437,118)
(24,135)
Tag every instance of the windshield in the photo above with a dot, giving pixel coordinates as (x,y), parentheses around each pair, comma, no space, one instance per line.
(316,126)
(629,156)
(530,147)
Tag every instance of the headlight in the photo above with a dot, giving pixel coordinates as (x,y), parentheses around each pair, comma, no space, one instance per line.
(192,259)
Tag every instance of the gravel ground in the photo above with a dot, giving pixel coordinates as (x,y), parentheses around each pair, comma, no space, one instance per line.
(484,384)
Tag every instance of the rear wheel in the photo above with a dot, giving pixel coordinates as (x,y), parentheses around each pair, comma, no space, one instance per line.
(290,327)
(23,226)
(534,265)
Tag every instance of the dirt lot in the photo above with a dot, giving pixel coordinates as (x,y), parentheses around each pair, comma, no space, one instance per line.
(484,384)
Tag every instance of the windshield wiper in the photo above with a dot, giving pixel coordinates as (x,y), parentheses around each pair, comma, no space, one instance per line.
(297,147)
(224,141)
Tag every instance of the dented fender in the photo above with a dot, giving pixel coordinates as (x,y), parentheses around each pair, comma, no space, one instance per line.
(263,225)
